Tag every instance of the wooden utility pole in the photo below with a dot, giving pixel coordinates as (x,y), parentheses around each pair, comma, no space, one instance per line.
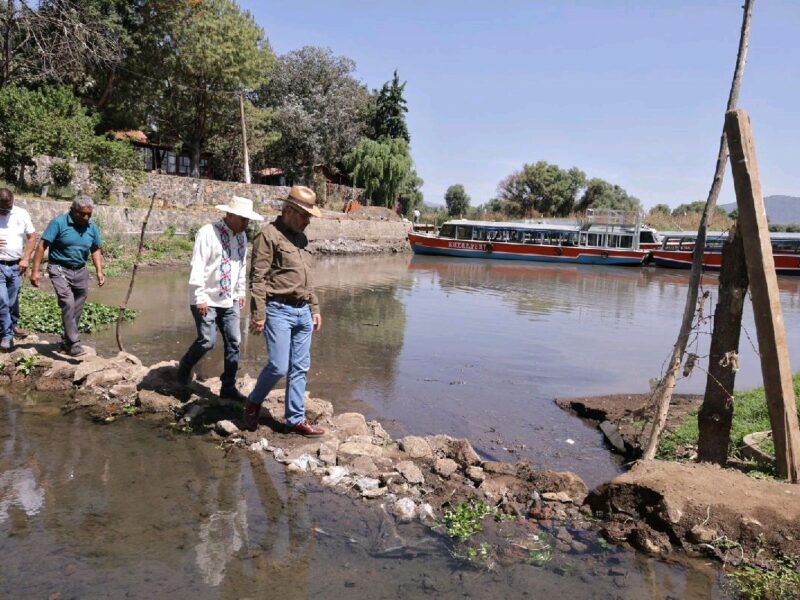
(716,414)
(775,367)
(245,155)
(663,393)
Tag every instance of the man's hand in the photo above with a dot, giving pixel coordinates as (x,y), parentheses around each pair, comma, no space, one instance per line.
(317,321)
(257,327)
(23,266)
(101,279)
(202,310)
(241,303)
(36,276)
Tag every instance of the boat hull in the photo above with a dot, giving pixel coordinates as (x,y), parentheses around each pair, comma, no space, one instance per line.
(785,264)
(424,244)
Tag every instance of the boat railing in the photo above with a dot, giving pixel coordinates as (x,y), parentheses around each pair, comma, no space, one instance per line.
(610,216)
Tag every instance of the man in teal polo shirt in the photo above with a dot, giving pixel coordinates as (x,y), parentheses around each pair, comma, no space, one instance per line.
(70,239)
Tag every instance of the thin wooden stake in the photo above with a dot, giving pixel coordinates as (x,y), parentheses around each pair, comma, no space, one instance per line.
(663,393)
(767,311)
(124,305)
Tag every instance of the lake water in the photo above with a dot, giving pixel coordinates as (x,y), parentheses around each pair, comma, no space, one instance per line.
(426,345)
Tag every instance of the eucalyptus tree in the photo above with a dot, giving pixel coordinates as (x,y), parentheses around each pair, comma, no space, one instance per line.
(457,200)
(319,109)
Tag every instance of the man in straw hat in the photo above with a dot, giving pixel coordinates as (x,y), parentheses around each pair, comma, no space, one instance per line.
(285,308)
(217,291)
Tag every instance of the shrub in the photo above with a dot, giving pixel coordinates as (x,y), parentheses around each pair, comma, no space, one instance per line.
(61,173)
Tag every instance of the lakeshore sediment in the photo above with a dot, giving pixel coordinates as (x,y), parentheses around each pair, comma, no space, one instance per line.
(656,507)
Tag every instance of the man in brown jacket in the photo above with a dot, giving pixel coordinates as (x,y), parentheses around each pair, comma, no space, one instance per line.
(285,308)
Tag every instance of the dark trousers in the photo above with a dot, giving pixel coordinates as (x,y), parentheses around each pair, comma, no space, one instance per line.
(72,287)
(227,321)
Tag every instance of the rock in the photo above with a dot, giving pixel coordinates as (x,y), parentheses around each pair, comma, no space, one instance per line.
(261,445)
(476,474)
(557,497)
(375,493)
(410,471)
(226,428)
(445,466)
(463,453)
(151,401)
(669,511)
(351,424)
(699,534)
(579,547)
(87,367)
(405,509)
(128,358)
(364,465)
(649,541)
(359,439)
(426,514)
(105,377)
(416,447)
(554,481)
(377,430)
(56,378)
(367,483)
(317,409)
(327,451)
(500,468)
(123,390)
(348,451)
(335,476)
(497,487)
(613,436)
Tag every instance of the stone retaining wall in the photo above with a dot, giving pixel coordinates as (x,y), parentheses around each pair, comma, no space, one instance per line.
(127,221)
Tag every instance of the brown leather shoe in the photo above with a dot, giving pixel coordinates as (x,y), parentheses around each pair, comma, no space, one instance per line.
(307,429)
(251,413)
(19,332)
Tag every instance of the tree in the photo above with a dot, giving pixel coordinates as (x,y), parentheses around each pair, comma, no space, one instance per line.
(382,168)
(543,187)
(456,199)
(52,121)
(601,194)
(319,110)
(410,196)
(389,110)
(660,209)
(196,57)
(59,41)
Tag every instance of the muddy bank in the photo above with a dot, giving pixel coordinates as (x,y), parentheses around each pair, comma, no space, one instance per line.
(656,508)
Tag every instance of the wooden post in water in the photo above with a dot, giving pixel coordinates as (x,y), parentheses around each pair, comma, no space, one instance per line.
(767,310)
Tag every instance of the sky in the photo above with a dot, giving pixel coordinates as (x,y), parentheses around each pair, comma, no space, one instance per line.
(633,92)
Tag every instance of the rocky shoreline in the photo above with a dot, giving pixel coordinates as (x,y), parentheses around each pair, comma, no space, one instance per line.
(419,478)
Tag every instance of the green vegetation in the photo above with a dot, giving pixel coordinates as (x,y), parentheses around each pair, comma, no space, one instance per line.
(381,167)
(120,255)
(750,415)
(25,364)
(466,519)
(481,556)
(541,552)
(541,187)
(457,200)
(39,312)
(781,583)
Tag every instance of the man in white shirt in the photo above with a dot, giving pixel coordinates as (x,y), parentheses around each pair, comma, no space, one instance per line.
(217,291)
(17,241)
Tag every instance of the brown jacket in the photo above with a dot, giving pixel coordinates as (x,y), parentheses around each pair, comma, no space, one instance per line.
(280,267)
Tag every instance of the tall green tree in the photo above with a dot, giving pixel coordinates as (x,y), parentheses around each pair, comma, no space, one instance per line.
(319,110)
(382,168)
(601,194)
(410,196)
(660,209)
(194,58)
(388,118)
(543,187)
(456,199)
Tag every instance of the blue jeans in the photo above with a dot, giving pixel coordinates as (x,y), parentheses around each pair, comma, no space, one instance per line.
(10,285)
(227,321)
(288,333)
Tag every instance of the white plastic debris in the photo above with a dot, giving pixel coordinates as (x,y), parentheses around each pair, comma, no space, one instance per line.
(570,441)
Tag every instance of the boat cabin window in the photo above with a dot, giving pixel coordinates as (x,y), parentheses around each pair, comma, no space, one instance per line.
(647,237)
(786,246)
(447,231)
(463,232)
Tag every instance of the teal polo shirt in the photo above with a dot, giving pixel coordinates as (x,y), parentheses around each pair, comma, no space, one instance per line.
(70,245)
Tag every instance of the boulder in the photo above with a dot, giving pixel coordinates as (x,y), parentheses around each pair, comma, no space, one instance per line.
(327,451)
(365,466)
(123,390)
(405,509)
(410,471)
(554,481)
(416,447)
(476,474)
(57,378)
(87,367)
(318,409)
(151,401)
(349,451)
(226,428)
(351,424)
(105,378)
(445,467)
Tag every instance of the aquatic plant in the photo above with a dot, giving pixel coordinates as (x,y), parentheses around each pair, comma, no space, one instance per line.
(466,519)
(25,364)
(780,583)
(39,312)
(541,551)
(481,557)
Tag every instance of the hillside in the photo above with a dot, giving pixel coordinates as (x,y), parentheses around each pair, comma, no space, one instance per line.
(781,210)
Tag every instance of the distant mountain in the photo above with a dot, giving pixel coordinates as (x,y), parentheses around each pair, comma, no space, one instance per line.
(781,210)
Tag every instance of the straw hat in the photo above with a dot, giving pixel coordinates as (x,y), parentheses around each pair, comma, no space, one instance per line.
(242,207)
(305,199)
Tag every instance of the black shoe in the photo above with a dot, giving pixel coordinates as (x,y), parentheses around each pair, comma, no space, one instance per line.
(183,376)
(6,345)
(76,350)
(233,394)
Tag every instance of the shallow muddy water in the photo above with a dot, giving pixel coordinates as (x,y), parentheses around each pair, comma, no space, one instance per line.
(426,345)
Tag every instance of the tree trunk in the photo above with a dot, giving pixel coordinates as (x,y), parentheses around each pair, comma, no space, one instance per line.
(9,27)
(663,393)
(716,413)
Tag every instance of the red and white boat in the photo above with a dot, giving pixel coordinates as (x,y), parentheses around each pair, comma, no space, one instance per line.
(604,238)
(677,249)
